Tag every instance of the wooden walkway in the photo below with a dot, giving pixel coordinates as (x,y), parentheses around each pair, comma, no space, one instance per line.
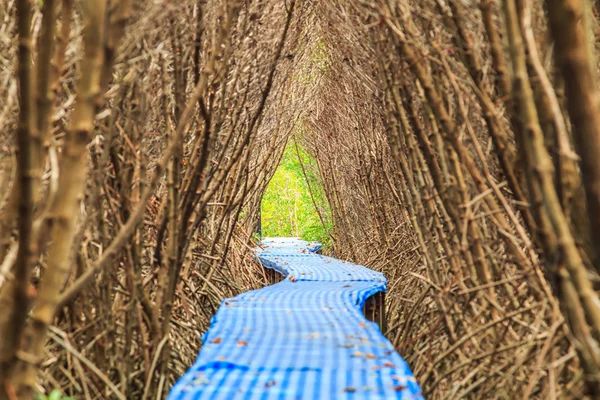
(303,338)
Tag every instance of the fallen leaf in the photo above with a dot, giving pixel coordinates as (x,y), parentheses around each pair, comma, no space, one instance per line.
(370,356)
(216,341)
(388,364)
(349,389)
(361,325)
(242,343)
(269,384)
(399,388)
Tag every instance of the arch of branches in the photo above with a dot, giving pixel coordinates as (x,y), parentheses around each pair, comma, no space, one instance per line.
(455,144)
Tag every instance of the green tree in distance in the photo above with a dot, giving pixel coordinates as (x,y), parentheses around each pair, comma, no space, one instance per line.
(287,208)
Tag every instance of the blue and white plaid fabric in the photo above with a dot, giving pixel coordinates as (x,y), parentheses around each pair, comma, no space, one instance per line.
(302,338)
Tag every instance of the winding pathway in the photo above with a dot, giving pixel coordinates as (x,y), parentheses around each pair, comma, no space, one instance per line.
(302,338)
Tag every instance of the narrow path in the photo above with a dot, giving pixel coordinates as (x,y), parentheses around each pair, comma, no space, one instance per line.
(302,338)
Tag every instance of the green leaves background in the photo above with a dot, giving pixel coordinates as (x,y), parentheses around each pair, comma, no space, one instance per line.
(287,208)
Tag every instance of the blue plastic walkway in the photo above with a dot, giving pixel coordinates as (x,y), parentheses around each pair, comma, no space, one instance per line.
(302,338)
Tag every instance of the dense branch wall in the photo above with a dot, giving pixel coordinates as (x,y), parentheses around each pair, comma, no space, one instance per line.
(142,181)
(446,148)
(455,142)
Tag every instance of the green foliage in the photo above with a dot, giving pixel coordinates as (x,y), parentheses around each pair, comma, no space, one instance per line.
(56,394)
(287,208)
(319,63)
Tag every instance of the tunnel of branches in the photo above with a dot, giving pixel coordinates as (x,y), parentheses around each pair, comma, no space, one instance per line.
(454,144)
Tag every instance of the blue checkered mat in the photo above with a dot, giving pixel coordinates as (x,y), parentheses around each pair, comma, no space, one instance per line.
(302,338)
